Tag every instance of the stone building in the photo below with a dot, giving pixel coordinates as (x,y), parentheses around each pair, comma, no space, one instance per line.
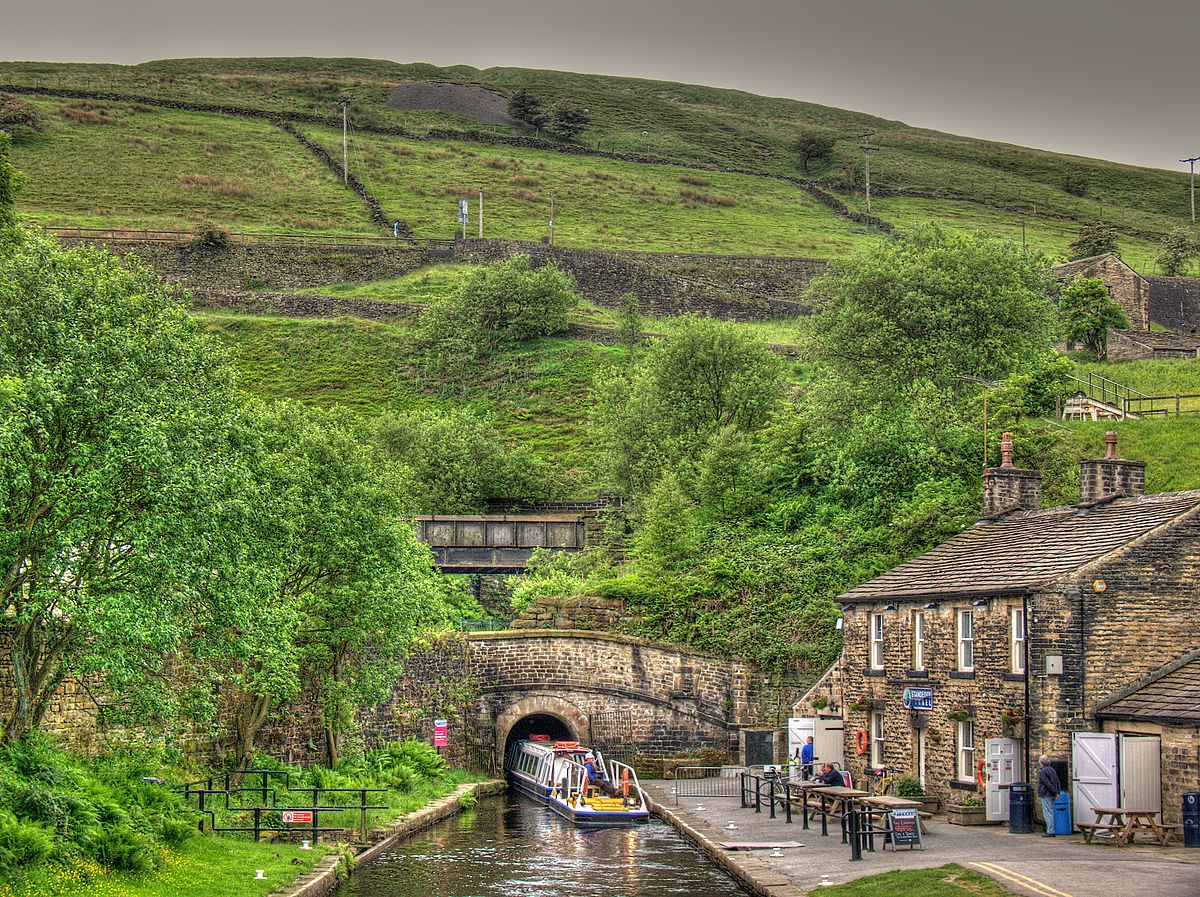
(1136,345)
(1128,289)
(1175,302)
(1029,633)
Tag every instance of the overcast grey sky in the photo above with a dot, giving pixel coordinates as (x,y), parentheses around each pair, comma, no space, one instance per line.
(1107,78)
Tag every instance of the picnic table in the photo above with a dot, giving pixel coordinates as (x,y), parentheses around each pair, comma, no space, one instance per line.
(804,788)
(885,803)
(835,802)
(1125,823)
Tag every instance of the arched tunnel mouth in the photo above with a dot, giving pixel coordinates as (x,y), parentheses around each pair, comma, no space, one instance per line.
(539,724)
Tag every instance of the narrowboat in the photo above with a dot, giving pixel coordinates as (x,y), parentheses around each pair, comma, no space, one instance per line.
(553,773)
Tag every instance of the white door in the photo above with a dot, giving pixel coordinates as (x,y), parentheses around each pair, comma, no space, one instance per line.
(1093,773)
(828,746)
(800,729)
(1141,772)
(1001,755)
(921,756)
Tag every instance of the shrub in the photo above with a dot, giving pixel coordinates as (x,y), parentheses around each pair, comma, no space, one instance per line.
(467,800)
(119,847)
(908,786)
(208,238)
(22,843)
(812,146)
(19,117)
(1094,239)
(1075,184)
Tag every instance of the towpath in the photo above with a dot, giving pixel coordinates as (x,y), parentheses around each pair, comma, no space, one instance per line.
(1027,864)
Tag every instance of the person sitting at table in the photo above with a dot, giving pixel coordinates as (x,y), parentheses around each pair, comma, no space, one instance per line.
(1048,788)
(830,776)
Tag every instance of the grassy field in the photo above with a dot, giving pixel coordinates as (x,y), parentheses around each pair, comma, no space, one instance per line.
(122,165)
(946,881)
(678,122)
(597,202)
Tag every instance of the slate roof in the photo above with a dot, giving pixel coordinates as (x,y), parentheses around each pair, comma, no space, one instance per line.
(1027,549)
(1169,694)
(1067,269)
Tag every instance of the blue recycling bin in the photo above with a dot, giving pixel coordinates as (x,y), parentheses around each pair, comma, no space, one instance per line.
(1020,808)
(1063,823)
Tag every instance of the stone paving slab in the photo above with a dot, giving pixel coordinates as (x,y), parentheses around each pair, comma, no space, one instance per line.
(1028,864)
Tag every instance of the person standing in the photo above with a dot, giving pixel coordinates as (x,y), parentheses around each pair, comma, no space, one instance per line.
(1048,788)
(806,758)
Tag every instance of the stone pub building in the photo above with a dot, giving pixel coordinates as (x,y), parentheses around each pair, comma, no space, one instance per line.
(1070,631)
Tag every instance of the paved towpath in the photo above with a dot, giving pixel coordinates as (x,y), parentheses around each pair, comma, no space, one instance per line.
(1027,864)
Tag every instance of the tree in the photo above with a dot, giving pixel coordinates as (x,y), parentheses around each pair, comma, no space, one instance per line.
(113,455)
(502,304)
(10,182)
(706,376)
(812,146)
(1094,239)
(931,306)
(1177,252)
(1088,312)
(568,119)
(525,107)
(630,326)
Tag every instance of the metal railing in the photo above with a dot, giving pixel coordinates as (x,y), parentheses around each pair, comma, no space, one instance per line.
(707,781)
(482,624)
(263,813)
(1163,406)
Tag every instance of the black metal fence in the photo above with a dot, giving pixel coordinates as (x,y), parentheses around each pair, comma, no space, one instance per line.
(262,816)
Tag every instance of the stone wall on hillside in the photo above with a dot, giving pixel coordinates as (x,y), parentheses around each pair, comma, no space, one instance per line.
(591,612)
(1175,302)
(746,288)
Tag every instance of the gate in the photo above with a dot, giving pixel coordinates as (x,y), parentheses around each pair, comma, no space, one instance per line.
(612,734)
(479,749)
(1094,773)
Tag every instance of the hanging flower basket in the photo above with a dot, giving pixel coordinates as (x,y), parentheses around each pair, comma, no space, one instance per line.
(820,703)
(959,714)
(1011,717)
(862,703)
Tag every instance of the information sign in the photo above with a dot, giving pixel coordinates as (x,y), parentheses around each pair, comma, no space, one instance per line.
(440,728)
(906,829)
(918,698)
(298,816)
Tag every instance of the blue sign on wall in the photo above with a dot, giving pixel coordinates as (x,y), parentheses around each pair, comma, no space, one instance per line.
(918,698)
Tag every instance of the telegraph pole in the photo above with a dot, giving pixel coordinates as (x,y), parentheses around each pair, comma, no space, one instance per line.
(867,150)
(481,213)
(551,219)
(345,103)
(1192,166)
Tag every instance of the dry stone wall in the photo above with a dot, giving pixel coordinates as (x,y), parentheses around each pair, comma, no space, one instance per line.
(1175,302)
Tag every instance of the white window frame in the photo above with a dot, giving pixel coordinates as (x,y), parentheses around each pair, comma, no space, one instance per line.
(877,740)
(966,751)
(918,655)
(1017,634)
(878,657)
(966,641)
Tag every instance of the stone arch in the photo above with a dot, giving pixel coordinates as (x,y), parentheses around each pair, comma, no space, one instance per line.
(550,705)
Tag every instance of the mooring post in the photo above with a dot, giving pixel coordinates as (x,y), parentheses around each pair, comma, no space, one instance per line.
(741,775)
(787,801)
(855,840)
(772,784)
(757,794)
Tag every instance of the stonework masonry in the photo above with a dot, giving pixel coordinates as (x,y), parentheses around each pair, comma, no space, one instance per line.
(1128,289)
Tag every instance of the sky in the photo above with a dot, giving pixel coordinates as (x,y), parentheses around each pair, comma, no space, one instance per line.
(1114,80)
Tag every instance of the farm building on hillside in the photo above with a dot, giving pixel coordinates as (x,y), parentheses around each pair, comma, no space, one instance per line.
(1133,345)
(1128,289)
(1175,302)
(1034,631)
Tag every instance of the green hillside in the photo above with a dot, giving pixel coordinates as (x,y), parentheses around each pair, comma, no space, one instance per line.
(915,172)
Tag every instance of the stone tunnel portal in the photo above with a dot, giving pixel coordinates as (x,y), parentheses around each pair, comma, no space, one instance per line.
(540,724)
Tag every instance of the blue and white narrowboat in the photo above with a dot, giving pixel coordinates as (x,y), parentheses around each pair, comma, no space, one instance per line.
(553,773)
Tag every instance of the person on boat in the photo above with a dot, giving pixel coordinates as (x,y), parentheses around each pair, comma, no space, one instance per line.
(596,776)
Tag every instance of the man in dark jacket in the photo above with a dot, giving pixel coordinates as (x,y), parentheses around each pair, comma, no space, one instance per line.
(830,776)
(1048,788)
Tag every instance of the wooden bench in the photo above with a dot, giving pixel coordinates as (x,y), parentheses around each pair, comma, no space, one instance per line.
(1169,830)
(1090,829)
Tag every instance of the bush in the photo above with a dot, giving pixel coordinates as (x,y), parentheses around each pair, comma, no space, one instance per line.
(1075,184)
(120,847)
(22,843)
(908,786)
(210,239)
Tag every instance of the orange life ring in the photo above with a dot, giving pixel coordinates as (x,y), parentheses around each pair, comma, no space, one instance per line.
(625,781)
(860,741)
(979,776)
(566,745)
(539,737)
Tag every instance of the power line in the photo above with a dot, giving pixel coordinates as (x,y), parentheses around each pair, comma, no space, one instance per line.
(867,150)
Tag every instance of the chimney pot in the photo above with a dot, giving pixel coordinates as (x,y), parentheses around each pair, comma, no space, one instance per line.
(1110,476)
(1006,451)
(1110,445)
(1010,488)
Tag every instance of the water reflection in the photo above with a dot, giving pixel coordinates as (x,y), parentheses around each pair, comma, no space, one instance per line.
(511,846)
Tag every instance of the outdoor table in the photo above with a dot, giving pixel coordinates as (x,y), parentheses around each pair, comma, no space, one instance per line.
(838,797)
(1127,822)
(804,788)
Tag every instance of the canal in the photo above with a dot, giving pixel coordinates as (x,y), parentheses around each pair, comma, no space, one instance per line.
(511,847)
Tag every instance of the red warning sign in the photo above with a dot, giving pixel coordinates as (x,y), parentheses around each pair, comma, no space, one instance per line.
(297,816)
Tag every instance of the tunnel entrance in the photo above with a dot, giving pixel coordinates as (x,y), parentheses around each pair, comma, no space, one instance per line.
(539,724)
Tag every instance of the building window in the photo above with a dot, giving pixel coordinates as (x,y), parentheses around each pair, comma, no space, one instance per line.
(1016,631)
(918,655)
(966,751)
(877,740)
(966,640)
(877,641)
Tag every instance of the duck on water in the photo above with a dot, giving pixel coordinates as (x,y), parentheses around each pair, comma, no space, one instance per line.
(576,783)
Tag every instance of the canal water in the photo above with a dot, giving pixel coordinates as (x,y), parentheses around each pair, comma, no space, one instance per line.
(511,847)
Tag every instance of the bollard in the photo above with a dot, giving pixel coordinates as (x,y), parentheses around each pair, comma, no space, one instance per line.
(787,802)
(757,795)
(855,840)
(772,797)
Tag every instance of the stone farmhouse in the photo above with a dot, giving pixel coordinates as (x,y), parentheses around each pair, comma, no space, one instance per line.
(1128,289)
(1069,631)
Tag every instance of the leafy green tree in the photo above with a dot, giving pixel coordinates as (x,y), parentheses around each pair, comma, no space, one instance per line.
(459,463)
(812,146)
(10,182)
(1088,311)
(931,306)
(524,106)
(731,481)
(113,453)
(1093,239)
(500,305)
(630,324)
(706,376)
(568,119)
(1178,250)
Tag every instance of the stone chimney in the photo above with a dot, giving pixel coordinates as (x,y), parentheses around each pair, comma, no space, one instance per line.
(1008,488)
(1110,476)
